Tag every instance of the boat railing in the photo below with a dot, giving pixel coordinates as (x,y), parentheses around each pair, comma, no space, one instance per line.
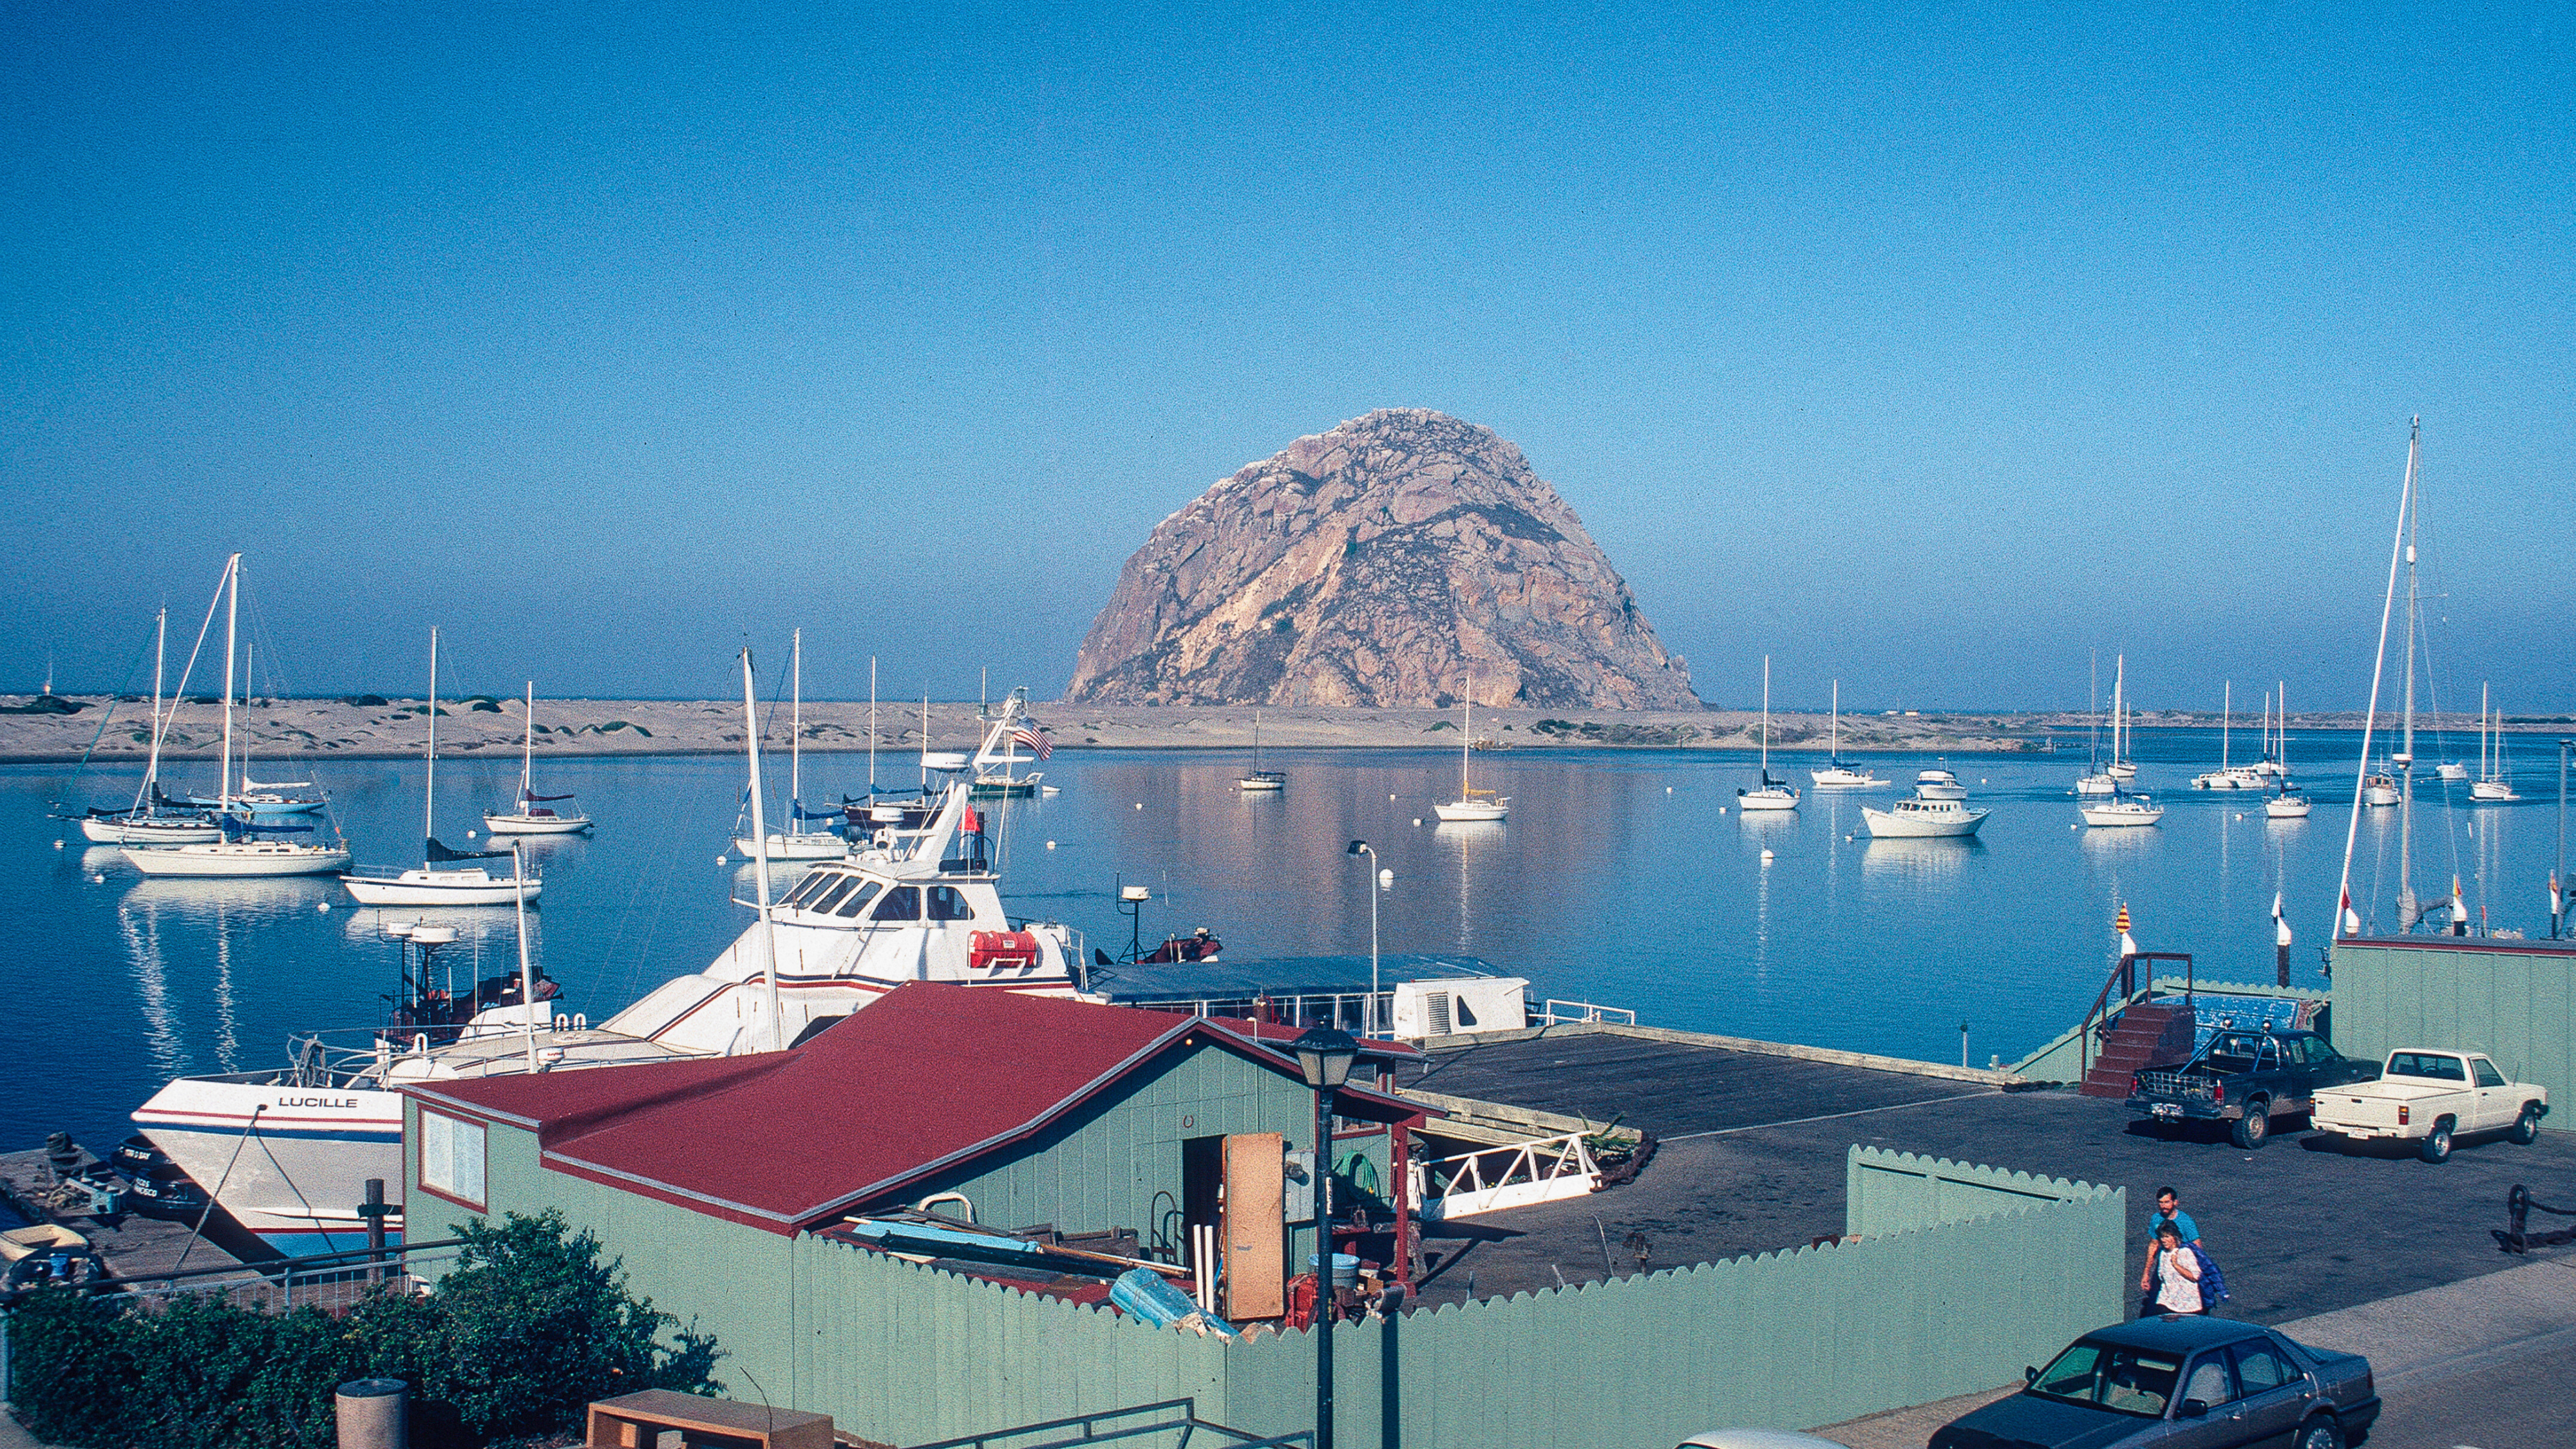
(1554,1012)
(1517,1174)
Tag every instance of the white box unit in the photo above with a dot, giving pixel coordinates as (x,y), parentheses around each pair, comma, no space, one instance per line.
(1460,1006)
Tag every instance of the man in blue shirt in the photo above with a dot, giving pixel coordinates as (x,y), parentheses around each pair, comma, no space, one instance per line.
(2168,1210)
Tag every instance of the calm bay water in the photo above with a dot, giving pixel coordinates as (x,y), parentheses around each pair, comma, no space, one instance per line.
(1617,880)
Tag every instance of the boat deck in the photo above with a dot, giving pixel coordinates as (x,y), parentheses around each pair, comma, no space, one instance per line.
(1752,1150)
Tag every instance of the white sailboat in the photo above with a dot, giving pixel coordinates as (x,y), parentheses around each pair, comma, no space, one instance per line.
(2285,801)
(2229,775)
(2122,809)
(2121,767)
(1836,775)
(248,848)
(2493,786)
(2095,781)
(1770,794)
(796,842)
(149,821)
(262,799)
(1258,780)
(1472,804)
(531,813)
(444,878)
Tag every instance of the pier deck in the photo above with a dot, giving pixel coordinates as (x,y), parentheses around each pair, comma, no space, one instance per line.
(1752,1159)
(132,1246)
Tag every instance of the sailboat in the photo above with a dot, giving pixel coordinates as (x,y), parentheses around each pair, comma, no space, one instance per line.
(147,821)
(264,800)
(2493,786)
(2228,775)
(2122,767)
(997,760)
(444,878)
(1472,804)
(248,847)
(796,842)
(2285,803)
(2095,781)
(531,815)
(1836,775)
(1258,780)
(1771,794)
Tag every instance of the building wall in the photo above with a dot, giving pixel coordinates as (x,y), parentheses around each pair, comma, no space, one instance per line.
(2515,1003)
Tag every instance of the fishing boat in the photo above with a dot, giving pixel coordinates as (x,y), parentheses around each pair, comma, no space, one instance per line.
(1257,780)
(249,847)
(444,877)
(532,813)
(848,932)
(997,760)
(2493,785)
(1938,784)
(1836,775)
(1472,805)
(2229,775)
(1770,794)
(795,842)
(1919,818)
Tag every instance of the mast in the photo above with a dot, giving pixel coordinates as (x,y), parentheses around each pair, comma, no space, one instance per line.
(2226,719)
(2483,771)
(796,735)
(2119,714)
(232,620)
(250,681)
(872,729)
(1834,751)
(2406,754)
(160,662)
(1466,730)
(2370,720)
(429,777)
(2093,706)
(528,752)
(760,858)
(527,975)
(1766,721)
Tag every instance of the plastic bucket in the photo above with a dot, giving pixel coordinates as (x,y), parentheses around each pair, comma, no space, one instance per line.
(1346,1269)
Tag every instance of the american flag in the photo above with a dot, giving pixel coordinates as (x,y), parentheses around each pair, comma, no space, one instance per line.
(1035,741)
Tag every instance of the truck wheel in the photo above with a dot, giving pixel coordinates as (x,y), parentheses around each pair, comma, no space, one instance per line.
(2254,1128)
(2527,1126)
(2321,1432)
(2437,1143)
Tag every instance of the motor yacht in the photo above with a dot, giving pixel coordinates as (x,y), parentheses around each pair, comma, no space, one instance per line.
(1938,785)
(1918,818)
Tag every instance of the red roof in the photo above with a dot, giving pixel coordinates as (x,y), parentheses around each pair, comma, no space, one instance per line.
(929,1076)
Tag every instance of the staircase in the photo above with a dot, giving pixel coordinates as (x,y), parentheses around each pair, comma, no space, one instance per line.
(2143,1035)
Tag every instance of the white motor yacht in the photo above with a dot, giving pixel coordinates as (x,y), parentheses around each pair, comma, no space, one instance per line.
(1918,818)
(1938,785)
(2379,789)
(850,931)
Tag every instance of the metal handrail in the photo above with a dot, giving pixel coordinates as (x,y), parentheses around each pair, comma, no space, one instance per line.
(1583,1011)
(1090,1432)
(2125,976)
(1568,1153)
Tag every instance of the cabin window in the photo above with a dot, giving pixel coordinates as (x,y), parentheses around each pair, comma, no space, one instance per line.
(903,903)
(859,902)
(841,887)
(947,903)
(451,1157)
(814,885)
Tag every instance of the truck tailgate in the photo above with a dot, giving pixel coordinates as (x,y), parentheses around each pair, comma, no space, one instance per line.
(2365,1111)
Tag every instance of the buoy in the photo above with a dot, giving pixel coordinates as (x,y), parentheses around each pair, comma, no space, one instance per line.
(98,880)
(720,860)
(323,906)
(2074,824)
(1417,820)
(1390,794)
(1721,809)
(1140,804)
(1847,839)
(1050,845)
(1766,857)
(469,835)
(58,844)
(2240,814)
(1668,789)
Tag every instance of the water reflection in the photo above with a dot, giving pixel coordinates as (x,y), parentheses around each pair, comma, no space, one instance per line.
(1936,861)
(140,926)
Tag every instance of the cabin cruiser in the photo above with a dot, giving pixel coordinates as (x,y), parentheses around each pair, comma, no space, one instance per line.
(1917,818)
(1938,785)
(926,907)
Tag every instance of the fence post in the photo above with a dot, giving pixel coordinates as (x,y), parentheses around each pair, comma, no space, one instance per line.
(374,1210)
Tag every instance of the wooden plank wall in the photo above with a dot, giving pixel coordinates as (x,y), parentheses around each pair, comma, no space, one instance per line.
(2516,1004)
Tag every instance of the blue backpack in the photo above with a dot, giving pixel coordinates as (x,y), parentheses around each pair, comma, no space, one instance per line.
(2213,1284)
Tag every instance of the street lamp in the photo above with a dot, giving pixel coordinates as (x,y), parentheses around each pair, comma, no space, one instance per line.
(1324,1055)
(1379,879)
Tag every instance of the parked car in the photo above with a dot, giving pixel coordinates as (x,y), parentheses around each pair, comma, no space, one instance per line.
(2245,1079)
(2429,1095)
(1757,1439)
(2180,1383)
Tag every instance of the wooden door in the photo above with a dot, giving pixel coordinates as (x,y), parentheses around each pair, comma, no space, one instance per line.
(1256,1230)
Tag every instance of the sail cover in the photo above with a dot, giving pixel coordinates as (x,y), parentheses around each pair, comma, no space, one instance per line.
(548,799)
(439,853)
(249,784)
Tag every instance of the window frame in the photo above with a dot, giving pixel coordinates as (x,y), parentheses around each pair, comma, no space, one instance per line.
(454,1192)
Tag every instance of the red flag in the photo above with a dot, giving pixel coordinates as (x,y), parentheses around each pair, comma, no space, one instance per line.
(973,824)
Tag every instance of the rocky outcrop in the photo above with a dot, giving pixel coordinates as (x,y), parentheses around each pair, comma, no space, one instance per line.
(1381,564)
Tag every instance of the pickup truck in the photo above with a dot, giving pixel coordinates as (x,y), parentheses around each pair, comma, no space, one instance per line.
(2427,1095)
(2245,1079)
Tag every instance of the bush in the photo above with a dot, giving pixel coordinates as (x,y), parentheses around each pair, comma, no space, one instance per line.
(525,1331)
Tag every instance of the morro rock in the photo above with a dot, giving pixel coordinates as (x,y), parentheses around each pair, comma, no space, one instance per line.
(1378,564)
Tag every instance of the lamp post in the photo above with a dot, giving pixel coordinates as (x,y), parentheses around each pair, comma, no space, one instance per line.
(1324,1055)
(1379,879)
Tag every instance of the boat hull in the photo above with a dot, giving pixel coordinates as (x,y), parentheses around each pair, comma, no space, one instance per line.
(235,861)
(2117,816)
(437,888)
(2295,809)
(535,824)
(2492,792)
(810,845)
(100,830)
(1846,780)
(1922,825)
(2096,787)
(288,1163)
(1465,811)
(1255,785)
(1756,801)
(270,808)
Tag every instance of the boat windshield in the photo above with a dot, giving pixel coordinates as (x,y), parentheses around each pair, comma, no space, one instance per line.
(2111,1376)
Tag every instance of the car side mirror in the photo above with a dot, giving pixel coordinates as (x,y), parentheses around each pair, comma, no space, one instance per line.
(2029,1375)
(2192,1409)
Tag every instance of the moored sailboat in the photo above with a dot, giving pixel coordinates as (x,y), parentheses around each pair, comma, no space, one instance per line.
(1257,780)
(1770,794)
(1472,804)
(1836,775)
(443,878)
(532,813)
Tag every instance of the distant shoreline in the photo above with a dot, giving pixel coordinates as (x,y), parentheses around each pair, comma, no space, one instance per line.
(305,730)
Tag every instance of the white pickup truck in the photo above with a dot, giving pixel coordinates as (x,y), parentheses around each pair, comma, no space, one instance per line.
(2430,1095)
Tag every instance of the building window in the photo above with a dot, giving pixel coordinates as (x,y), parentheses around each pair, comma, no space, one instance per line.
(451,1157)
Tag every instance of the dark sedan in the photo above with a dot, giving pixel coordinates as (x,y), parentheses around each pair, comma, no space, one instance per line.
(2180,1383)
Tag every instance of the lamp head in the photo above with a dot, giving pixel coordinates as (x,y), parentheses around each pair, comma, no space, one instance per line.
(1325,1055)
(1135,893)
(1358,847)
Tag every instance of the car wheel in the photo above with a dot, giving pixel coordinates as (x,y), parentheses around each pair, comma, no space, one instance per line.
(2254,1128)
(2322,1432)
(2527,1126)
(2437,1143)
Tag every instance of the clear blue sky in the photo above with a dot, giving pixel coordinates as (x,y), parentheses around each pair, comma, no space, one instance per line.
(1932,348)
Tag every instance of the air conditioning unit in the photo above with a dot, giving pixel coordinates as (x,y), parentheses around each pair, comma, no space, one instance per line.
(1460,1006)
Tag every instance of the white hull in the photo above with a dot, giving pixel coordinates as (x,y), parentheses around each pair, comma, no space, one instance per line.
(2242,778)
(534,824)
(244,859)
(102,831)
(1770,797)
(2452,772)
(470,887)
(2123,771)
(306,1173)
(2492,792)
(2287,807)
(1468,810)
(2094,787)
(2378,794)
(1259,787)
(1838,778)
(1923,819)
(2124,812)
(1939,785)
(804,845)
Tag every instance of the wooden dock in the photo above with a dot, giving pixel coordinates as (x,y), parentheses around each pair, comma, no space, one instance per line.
(131,1245)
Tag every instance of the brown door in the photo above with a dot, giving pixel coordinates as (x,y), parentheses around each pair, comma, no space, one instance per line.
(1256,1231)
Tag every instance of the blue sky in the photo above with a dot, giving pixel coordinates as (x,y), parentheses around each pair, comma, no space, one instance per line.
(1928,347)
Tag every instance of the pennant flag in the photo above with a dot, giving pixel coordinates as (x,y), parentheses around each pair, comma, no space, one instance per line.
(2351,917)
(973,824)
(2553,893)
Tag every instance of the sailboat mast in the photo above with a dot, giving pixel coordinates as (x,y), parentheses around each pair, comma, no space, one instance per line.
(160,662)
(1834,752)
(2406,755)
(872,729)
(2378,673)
(429,776)
(1766,719)
(2093,706)
(1465,730)
(527,974)
(528,750)
(2226,718)
(760,858)
(232,620)
(796,731)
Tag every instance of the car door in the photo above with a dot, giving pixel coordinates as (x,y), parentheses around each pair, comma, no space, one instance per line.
(2272,1394)
(2496,1107)
(2210,1381)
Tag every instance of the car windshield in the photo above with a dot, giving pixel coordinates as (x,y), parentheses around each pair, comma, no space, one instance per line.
(2111,1376)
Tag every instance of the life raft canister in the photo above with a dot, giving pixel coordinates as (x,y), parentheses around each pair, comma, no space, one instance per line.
(996,950)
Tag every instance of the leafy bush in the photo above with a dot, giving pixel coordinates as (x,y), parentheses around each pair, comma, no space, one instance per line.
(526,1329)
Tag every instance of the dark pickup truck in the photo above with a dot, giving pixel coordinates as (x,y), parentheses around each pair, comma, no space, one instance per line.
(2245,1079)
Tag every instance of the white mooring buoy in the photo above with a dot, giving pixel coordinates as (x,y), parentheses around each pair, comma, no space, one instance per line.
(1417,820)
(720,860)
(1050,845)
(1766,857)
